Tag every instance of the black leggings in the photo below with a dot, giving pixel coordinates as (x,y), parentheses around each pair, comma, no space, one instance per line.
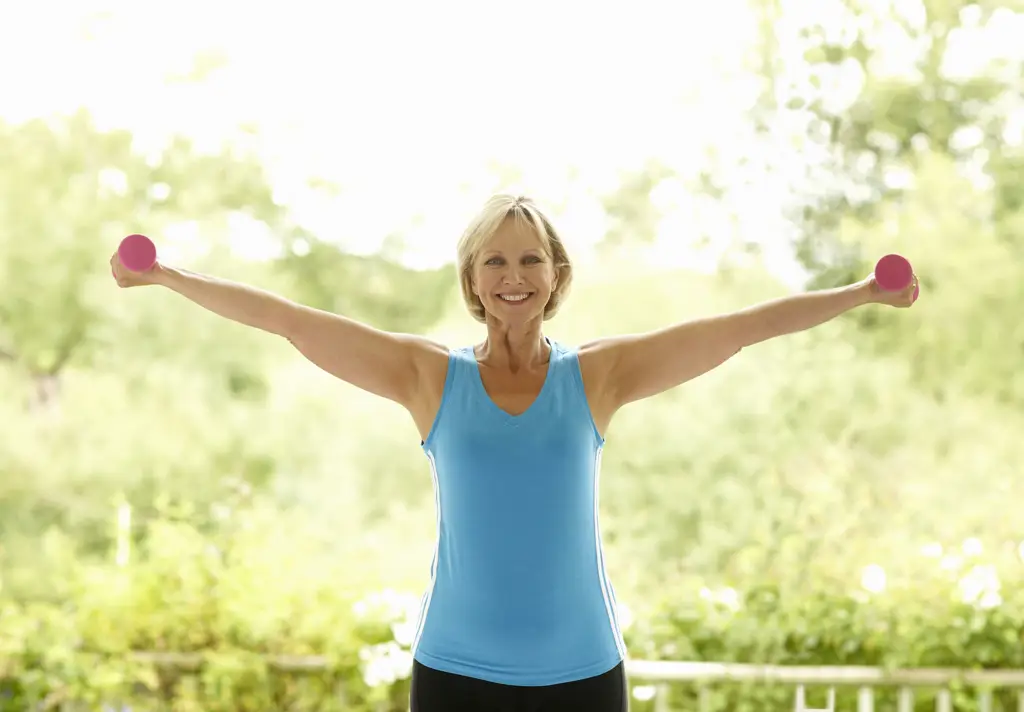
(435,691)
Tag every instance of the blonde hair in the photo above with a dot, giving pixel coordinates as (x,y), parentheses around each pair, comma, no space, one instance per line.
(482,228)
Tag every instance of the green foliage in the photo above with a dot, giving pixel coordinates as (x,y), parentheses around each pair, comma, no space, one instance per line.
(182,394)
(370,289)
(934,619)
(266,584)
(276,587)
(632,218)
(73,191)
(276,511)
(917,98)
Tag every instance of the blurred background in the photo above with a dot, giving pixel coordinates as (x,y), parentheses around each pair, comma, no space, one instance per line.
(171,482)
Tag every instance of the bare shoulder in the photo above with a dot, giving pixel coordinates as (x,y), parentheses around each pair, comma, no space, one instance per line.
(593,349)
(598,358)
(429,357)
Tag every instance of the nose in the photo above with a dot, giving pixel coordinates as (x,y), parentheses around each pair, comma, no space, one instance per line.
(512,275)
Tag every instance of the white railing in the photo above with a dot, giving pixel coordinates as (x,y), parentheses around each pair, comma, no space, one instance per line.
(865,679)
(704,675)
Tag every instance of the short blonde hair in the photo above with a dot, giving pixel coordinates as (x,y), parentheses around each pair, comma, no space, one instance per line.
(482,228)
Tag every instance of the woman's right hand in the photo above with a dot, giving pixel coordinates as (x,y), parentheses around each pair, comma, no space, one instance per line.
(127,278)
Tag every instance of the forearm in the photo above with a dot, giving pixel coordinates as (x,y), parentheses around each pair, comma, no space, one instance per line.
(231,300)
(799,312)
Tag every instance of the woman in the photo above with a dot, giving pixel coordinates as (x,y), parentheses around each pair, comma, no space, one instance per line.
(519,613)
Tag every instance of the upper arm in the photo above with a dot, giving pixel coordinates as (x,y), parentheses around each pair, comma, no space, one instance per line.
(636,366)
(394,366)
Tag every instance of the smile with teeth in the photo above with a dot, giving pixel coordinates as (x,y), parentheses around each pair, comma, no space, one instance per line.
(514,298)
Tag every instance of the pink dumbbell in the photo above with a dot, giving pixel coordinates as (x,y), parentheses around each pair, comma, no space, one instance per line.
(137,253)
(893,273)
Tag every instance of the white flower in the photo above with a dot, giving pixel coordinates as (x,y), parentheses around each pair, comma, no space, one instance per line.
(873,578)
(951,563)
(990,600)
(981,587)
(644,693)
(727,597)
(404,632)
(972,547)
(385,664)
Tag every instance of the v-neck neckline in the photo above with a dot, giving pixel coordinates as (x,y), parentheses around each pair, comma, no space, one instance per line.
(537,399)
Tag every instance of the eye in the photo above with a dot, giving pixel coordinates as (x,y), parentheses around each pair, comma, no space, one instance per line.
(493,261)
(532,259)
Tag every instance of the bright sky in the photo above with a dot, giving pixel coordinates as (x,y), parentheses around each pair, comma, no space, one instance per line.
(410,107)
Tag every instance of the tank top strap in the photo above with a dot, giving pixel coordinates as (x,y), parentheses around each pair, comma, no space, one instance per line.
(568,397)
(458,389)
(466,405)
(564,370)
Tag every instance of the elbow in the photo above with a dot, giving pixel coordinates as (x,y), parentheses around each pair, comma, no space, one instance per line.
(727,355)
(285,320)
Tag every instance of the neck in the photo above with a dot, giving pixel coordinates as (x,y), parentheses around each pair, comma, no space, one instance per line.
(514,347)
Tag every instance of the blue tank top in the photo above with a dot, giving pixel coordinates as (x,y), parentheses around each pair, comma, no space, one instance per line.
(518,592)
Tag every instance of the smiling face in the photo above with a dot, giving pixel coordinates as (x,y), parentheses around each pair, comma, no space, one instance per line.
(513,274)
(512,264)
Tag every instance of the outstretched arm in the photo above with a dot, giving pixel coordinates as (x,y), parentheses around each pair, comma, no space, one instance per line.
(383,363)
(644,365)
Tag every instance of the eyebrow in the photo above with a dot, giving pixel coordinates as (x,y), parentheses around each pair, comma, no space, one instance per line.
(499,252)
